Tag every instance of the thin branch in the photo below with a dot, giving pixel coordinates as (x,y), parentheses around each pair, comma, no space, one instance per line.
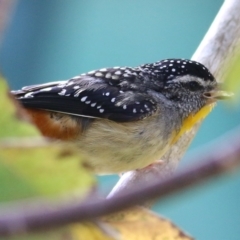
(16,219)
(215,51)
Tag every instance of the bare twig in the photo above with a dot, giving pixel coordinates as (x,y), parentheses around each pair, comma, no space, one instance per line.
(18,219)
(215,51)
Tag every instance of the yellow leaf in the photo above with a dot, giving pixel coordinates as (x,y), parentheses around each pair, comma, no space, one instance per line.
(141,224)
(83,231)
(90,231)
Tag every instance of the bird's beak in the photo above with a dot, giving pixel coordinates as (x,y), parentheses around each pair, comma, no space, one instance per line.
(214,95)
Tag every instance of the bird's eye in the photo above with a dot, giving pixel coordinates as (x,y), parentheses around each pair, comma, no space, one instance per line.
(193,86)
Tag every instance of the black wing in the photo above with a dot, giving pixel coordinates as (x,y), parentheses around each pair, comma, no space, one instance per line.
(115,93)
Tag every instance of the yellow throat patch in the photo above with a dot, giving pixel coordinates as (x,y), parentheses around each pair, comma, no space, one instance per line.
(191,120)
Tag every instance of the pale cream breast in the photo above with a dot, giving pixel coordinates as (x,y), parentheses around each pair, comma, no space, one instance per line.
(112,147)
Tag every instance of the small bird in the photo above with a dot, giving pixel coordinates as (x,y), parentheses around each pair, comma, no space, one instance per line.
(123,118)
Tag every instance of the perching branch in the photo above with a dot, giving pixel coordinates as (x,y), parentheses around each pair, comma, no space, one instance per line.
(16,219)
(215,51)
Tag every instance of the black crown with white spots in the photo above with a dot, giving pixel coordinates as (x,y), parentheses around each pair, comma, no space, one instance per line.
(172,68)
(118,93)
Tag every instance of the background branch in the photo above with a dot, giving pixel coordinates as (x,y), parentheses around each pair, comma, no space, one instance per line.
(215,51)
(19,218)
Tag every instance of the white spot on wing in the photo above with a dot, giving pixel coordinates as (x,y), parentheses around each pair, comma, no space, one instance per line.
(63,92)
(61,86)
(83,99)
(46,89)
(128,71)
(29,95)
(108,75)
(114,77)
(98,74)
(70,83)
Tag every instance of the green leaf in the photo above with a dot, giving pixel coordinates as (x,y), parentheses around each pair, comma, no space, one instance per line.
(232,75)
(10,111)
(31,166)
(41,171)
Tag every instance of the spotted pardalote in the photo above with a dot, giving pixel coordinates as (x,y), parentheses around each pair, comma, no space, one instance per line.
(123,118)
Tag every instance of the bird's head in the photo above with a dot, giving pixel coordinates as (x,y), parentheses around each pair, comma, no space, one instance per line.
(187,84)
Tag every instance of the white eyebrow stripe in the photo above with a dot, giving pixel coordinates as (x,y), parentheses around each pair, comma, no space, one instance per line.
(189,78)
